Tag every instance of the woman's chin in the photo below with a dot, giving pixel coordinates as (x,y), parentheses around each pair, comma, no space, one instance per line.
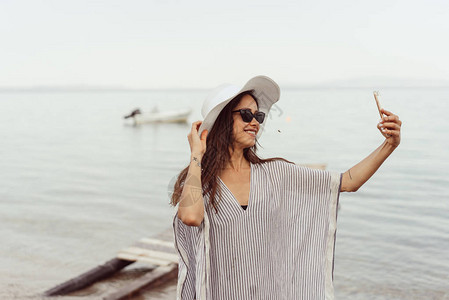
(250,144)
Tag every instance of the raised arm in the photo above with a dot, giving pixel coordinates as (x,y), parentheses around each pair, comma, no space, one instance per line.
(191,204)
(355,177)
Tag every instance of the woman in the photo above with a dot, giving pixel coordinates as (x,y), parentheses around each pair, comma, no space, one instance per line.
(252,228)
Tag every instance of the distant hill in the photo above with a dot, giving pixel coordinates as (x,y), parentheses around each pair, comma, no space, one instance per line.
(93,88)
(384,82)
(366,82)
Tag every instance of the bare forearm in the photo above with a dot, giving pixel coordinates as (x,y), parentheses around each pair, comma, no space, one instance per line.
(356,176)
(191,204)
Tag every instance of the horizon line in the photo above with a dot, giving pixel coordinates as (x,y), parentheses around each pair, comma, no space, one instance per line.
(77,88)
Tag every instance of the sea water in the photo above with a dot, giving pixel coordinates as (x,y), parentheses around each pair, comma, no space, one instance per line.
(77,184)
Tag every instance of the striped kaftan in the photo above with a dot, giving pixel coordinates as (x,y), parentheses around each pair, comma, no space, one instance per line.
(280,247)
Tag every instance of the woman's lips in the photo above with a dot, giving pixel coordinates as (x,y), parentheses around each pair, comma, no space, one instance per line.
(251,132)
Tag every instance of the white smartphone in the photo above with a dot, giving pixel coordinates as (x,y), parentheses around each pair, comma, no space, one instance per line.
(376,97)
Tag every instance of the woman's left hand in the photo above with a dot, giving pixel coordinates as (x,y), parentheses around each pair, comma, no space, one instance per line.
(390,127)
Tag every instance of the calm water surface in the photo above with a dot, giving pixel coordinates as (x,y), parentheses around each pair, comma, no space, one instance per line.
(77,185)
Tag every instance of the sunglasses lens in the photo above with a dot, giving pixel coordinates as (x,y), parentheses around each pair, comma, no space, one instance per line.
(260,116)
(247,115)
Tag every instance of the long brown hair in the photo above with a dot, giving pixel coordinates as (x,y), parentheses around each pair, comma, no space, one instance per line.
(217,155)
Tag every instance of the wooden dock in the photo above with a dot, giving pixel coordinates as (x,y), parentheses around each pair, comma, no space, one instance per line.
(158,252)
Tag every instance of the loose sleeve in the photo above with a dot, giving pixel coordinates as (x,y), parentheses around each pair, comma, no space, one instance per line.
(192,244)
(184,246)
(307,213)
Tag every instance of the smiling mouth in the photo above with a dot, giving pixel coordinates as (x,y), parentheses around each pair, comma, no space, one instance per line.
(251,132)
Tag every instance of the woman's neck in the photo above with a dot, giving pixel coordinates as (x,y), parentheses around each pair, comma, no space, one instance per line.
(237,161)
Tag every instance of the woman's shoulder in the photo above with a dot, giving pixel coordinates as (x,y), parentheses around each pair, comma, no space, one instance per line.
(282,165)
(276,164)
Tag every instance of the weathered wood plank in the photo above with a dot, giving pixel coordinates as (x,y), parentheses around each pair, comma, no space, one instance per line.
(89,277)
(155,262)
(145,253)
(151,279)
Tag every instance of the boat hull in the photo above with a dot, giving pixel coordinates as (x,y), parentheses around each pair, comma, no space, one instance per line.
(179,116)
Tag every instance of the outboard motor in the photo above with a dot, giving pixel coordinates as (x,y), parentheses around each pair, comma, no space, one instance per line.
(133,113)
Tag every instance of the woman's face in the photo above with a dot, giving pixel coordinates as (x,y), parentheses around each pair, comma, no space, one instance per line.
(245,133)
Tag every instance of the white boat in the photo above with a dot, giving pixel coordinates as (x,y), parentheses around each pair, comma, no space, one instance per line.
(156,116)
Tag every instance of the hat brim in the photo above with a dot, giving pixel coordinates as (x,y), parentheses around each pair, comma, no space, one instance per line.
(264,89)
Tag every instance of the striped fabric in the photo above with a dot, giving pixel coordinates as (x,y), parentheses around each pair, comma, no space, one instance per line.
(280,247)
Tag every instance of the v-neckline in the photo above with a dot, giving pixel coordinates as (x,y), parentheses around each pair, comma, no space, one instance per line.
(250,190)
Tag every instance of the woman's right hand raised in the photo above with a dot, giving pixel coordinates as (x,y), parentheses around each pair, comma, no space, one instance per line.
(197,143)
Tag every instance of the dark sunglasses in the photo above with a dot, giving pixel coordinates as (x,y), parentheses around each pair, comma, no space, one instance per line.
(247,115)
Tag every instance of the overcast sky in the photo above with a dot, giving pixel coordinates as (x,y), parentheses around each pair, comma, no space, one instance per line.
(200,44)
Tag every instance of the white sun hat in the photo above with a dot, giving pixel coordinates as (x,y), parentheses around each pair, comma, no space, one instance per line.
(263,88)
